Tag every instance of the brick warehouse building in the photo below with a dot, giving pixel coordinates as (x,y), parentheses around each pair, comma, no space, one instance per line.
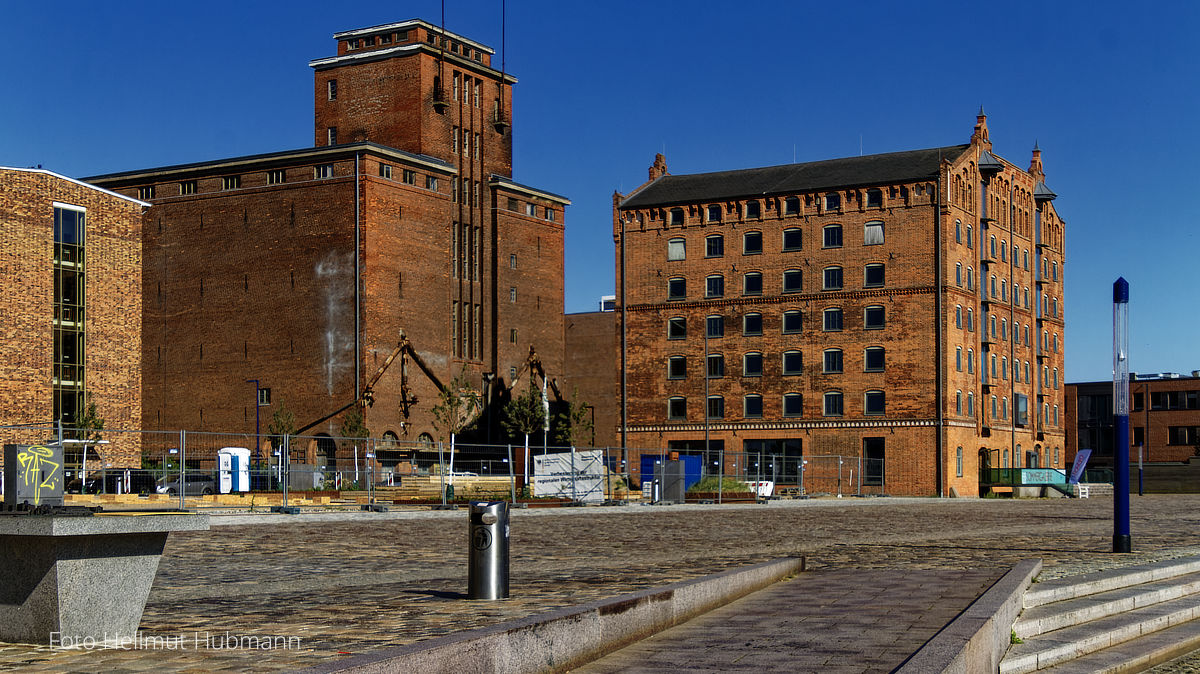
(905,307)
(72,308)
(251,262)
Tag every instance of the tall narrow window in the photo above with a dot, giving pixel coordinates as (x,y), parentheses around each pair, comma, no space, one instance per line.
(331,90)
(69,309)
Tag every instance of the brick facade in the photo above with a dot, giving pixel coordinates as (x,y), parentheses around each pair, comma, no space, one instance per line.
(251,261)
(1164,418)
(112,323)
(902,245)
(590,341)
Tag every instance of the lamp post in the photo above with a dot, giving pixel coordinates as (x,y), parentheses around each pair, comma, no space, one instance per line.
(1122,541)
(257,420)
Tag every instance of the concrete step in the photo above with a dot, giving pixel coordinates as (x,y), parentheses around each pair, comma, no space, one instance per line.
(1057,615)
(1137,655)
(1072,642)
(1071,587)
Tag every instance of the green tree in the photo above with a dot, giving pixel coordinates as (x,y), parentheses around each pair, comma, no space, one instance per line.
(283,423)
(524,414)
(458,405)
(90,423)
(354,425)
(573,425)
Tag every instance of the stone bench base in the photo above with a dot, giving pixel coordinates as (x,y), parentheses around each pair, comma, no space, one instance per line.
(67,579)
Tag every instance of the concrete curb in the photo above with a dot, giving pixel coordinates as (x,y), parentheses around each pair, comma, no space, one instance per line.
(560,640)
(977,639)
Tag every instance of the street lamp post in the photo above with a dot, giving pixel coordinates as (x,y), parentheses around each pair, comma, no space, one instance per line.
(1122,541)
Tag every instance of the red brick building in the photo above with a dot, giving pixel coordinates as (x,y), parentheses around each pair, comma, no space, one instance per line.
(71,264)
(1164,418)
(906,308)
(590,341)
(251,262)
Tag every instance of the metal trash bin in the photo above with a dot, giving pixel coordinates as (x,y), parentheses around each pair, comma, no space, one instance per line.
(487,571)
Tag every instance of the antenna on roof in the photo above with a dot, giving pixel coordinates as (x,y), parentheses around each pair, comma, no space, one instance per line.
(500,123)
(439,99)
(860,144)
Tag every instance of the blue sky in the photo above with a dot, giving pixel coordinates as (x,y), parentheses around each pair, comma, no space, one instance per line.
(1110,91)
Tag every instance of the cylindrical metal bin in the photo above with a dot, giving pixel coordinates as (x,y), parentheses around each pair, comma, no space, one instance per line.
(487,571)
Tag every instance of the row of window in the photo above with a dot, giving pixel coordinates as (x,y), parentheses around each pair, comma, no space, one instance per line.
(833,405)
(460,139)
(832,278)
(1032,460)
(1049,341)
(753,209)
(529,208)
(832,362)
(792,240)
(1020,256)
(1049,377)
(1047,415)
(234,182)
(1048,307)
(792,322)
(384,38)
(408,176)
(1168,400)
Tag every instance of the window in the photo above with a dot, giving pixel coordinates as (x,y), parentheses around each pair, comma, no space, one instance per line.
(512,294)
(958,462)
(409,176)
(716,365)
(791,206)
(714,246)
(385,171)
(969,244)
(187,187)
(958,231)
(752,324)
(714,326)
(832,319)
(331,90)
(970,361)
(970,278)
(531,210)
(676,249)
(1021,409)
(431,183)
(714,213)
(792,239)
(993,246)
(752,243)
(677,408)
(512,336)
(231,182)
(1025,259)
(454,137)
(676,288)
(793,363)
(873,318)
(331,135)
(958,316)
(752,365)
(833,201)
(323,171)
(793,405)
(958,403)
(1054,271)
(1004,407)
(833,404)
(714,286)
(677,367)
(873,233)
(1003,251)
(716,407)
(753,210)
(873,276)
(970,404)
(832,362)
(146,193)
(752,283)
(677,328)
(873,359)
(958,274)
(958,358)
(874,199)
(677,217)
(832,278)
(970,319)
(752,407)
(833,236)
(512,261)
(793,281)
(793,322)
(874,403)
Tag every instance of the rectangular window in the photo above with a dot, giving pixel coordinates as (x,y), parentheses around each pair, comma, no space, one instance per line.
(531,210)
(676,249)
(431,183)
(676,289)
(874,403)
(793,363)
(833,236)
(873,359)
(793,405)
(713,213)
(752,243)
(677,409)
(264,396)
(793,281)
(752,325)
(331,90)
(874,318)
(873,276)
(275,177)
(833,320)
(873,234)
(752,407)
(833,361)
(793,322)
(716,365)
(792,239)
(410,177)
(323,171)
(715,326)
(716,407)
(231,182)
(677,328)
(146,193)
(752,284)
(331,137)
(714,246)
(833,404)
(187,187)
(714,286)
(677,367)
(833,278)
(752,365)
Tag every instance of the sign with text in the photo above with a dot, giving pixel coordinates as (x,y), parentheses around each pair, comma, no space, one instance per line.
(1077,468)
(578,475)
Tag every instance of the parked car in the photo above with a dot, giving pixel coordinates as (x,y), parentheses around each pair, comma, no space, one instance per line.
(113,482)
(195,485)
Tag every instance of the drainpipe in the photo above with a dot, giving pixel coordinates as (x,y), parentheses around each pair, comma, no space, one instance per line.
(357,285)
(937,336)
(624,346)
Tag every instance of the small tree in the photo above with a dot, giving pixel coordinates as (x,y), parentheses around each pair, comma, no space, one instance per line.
(524,415)
(458,405)
(283,424)
(90,423)
(354,428)
(573,425)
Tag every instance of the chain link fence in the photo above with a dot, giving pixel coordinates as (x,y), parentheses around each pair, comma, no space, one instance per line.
(193,469)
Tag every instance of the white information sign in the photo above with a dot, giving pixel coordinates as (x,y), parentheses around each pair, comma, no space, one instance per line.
(578,475)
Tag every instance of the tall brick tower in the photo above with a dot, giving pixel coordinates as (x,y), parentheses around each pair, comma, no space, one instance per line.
(415,87)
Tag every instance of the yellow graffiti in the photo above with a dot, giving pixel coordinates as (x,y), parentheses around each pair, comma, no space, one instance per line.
(33,461)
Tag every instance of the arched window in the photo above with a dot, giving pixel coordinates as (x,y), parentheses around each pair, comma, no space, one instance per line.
(714,326)
(873,359)
(957,230)
(793,322)
(752,407)
(873,233)
(793,405)
(677,217)
(714,245)
(676,288)
(752,324)
(752,364)
(833,404)
(970,278)
(958,274)
(676,367)
(793,239)
(958,358)
(970,361)
(752,243)
(753,210)
(874,403)
(832,278)
(677,408)
(714,286)
(874,317)
(873,275)
(793,363)
(715,365)
(677,327)
(969,242)
(676,249)
(958,316)
(752,283)
(716,407)
(833,236)
(793,281)
(832,319)
(832,361)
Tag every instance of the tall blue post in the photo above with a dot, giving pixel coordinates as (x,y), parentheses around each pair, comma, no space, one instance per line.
(1121,538)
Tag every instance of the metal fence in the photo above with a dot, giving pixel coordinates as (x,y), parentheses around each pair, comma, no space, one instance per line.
(204,469)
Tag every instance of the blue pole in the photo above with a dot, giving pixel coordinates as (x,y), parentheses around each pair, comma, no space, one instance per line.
(1122,541)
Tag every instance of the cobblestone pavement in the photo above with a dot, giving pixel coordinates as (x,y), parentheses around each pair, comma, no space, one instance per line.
(355,586)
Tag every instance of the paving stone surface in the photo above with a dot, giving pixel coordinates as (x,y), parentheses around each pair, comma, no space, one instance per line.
(355,586)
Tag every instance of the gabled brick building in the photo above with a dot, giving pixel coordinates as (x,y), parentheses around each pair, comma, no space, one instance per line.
(251,262)
(906,308)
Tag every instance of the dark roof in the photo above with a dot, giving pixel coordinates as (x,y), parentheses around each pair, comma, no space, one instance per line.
(872,169)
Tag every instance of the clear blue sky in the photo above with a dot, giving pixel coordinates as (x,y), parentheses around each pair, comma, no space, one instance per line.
(1110,90)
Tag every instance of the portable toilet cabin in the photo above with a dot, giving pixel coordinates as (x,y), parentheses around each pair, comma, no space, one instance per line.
(234,464)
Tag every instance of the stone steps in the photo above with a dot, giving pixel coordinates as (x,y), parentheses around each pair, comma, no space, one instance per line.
(1123,619)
